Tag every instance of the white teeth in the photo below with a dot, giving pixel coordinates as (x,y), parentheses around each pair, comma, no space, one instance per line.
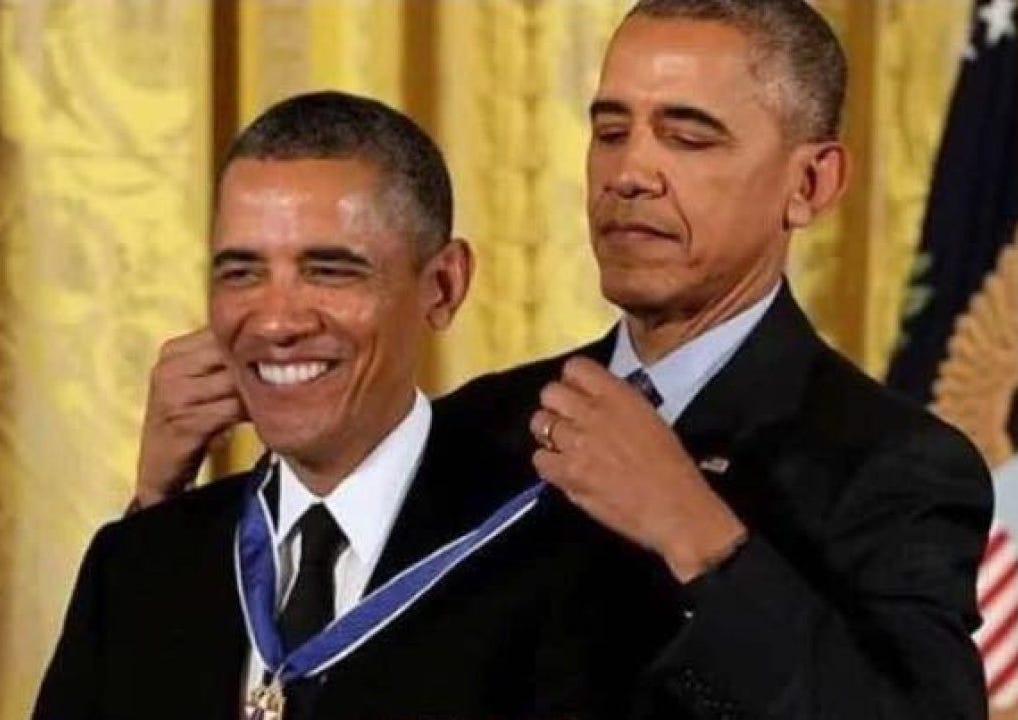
(290,373)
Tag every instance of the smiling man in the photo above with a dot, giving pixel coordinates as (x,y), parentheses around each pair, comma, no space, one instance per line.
(774,534)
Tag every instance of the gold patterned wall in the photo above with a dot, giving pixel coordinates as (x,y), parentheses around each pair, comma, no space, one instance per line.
(106,115)
(103,135)
(850,271)
(515,128)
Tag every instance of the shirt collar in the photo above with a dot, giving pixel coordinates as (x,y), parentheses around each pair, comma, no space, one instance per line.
(683,372)
(366,503)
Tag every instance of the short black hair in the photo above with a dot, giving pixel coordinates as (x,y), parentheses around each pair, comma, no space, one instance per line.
(333,125)
(793,34)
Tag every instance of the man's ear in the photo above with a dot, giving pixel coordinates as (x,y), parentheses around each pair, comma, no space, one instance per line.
(822,170)
(446,280)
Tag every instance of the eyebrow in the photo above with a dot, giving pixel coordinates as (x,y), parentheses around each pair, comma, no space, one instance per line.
(608,107)
(336,254)
(696,115)
(320,254)
(233,255)
(676,111)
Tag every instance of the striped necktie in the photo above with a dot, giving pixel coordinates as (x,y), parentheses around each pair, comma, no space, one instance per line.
(640,380)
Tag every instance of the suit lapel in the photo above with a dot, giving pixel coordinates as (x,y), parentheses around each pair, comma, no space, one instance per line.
(735,405)
(456,487)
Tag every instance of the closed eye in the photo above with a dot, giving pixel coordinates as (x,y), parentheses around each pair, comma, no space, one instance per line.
(691,142)
(610,136)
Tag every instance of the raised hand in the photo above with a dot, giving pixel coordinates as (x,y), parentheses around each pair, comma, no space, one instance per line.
(191,399)
(606,448)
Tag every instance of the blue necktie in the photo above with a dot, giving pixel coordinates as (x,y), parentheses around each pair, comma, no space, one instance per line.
(640,380)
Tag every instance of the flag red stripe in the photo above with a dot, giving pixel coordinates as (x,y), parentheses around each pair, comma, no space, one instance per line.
(990,642)
(987,598)
(1003,677)
(997,540)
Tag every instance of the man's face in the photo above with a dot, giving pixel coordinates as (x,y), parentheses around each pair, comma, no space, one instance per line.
(317,303)
(688,172)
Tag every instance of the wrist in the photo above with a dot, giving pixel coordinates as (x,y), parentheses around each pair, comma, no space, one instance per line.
(687,564)
(146,497)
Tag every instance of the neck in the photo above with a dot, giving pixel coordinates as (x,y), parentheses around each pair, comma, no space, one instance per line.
(656,333)
(322,472)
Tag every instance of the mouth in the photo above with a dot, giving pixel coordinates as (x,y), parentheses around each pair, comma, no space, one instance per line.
(292,373)
(636,230)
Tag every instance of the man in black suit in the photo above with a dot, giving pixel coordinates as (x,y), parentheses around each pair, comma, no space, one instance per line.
(796,541)
(332,259)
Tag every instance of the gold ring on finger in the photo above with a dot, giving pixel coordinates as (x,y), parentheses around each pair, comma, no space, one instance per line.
(547,440)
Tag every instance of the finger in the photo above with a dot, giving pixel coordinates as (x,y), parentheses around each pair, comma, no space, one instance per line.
(195,363)
(187,343)
(551,467)
(223,414)
(196,391)
(566,401)
(211,419)
(542,425)
(588,377)
(554,432)
(566,437)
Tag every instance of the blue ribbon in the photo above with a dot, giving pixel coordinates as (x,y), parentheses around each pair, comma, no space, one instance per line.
(255,566)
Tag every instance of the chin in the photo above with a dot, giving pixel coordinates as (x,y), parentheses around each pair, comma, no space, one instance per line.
(634,294)
(295,437)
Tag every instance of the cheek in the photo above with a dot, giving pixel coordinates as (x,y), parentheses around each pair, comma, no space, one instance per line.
(226,314)
(370,320)
(600,167)
(352,315)
(724,204)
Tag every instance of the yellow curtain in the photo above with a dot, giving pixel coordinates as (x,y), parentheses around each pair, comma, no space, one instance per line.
(106,125)
(103,154)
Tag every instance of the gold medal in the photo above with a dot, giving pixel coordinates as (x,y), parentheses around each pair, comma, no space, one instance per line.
(265,702)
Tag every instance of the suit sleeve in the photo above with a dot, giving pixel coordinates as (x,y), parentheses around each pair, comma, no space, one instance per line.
(71,684)
(885,636)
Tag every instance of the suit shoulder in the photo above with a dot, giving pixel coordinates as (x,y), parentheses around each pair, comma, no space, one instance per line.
(856,411)
(515,385)
(194,512)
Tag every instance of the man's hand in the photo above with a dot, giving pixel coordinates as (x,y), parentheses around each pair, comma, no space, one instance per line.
(191,398)
(606,448)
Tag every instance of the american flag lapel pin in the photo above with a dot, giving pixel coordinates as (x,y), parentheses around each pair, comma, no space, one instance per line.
(714,465)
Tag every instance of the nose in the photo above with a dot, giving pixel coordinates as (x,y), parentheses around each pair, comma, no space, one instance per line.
(638,172)
(284,316)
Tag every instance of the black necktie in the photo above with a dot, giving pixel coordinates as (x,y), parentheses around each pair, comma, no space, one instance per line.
(312,601)
(640,380)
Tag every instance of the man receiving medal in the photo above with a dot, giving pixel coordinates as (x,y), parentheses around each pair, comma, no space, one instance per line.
(375,563)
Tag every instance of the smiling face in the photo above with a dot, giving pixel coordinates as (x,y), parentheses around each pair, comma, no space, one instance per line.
(320,305)
(689,173)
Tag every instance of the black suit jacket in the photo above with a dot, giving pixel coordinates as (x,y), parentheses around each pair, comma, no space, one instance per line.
(852,599)
(855,595)
(155,630)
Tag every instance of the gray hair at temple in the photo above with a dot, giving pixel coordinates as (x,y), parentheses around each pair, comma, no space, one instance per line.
(795,49)
(416,193)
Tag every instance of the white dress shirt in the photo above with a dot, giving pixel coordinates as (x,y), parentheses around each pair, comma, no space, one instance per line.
(683,372)
(364,505)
